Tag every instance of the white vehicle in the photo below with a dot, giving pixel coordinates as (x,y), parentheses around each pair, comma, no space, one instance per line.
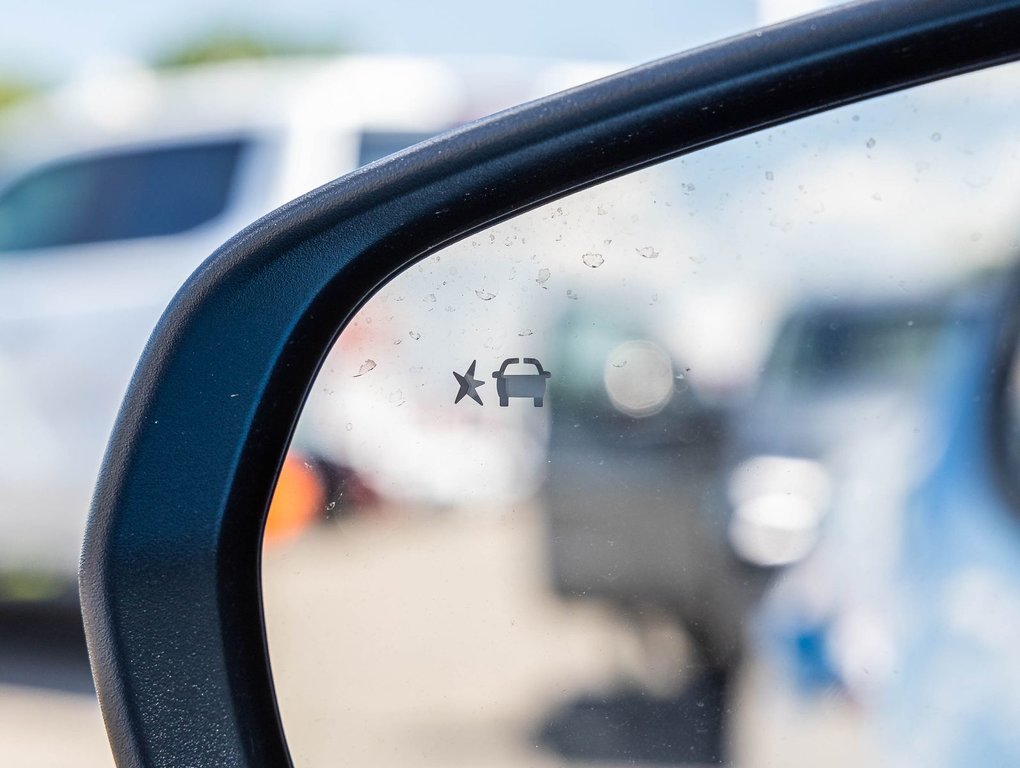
(116,188)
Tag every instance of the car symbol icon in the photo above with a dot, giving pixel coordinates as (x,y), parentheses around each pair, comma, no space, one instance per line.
(526,385)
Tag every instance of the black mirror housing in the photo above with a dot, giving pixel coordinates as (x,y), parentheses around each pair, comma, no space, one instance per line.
(170,568)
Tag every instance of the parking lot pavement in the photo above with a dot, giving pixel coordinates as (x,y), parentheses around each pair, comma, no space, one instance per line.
(428,640)
(48,711)
(432,639)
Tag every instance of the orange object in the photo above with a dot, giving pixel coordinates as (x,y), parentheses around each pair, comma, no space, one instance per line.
(299,497)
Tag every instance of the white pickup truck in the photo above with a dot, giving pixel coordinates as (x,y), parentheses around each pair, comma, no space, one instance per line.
(115,189)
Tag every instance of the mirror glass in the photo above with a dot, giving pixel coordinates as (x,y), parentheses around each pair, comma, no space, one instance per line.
(689,468)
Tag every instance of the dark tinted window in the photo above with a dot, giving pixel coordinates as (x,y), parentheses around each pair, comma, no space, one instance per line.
(377,144)
(141,193)
(854,345)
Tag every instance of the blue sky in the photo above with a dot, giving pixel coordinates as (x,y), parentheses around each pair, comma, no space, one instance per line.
(52,38)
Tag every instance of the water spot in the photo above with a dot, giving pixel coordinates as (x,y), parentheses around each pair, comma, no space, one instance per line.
(368,365)
(877,197)
(414,335)
(910,323)
(430,299)
(936,136)
(647,252)
(870,143)
(512,274)
(450,308)
(593,260)
(607,242)
(397,341)
(856,118)
(525,332)
(485,295)
(543,276)
(975,236)
(571,295)
(619,364)
(330,506)
(349,426)
(601,211)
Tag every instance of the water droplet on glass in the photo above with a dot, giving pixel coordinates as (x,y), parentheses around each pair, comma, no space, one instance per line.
(414,335)
(593,260)
(485,295)
(543,276)
(430,299)
(350,426)
(870,143)
(647,252)
(936,136)
(601,211)
(769,176)
(571,295)
(368,365)
(525,332)
(398,341)
(330,506)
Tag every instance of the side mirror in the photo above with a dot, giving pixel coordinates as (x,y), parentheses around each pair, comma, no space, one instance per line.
(170,580)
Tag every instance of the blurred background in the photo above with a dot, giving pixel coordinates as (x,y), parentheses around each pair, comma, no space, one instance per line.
(732,532)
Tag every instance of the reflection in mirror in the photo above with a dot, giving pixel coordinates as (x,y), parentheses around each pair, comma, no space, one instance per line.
(688,468)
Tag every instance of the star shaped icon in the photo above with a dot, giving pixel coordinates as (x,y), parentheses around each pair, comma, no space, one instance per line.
(468,385)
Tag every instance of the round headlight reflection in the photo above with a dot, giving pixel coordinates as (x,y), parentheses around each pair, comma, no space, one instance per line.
(639,378)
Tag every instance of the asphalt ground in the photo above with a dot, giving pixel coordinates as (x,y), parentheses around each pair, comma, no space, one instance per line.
(431,638)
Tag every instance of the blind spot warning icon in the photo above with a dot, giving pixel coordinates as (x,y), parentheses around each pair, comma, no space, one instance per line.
(525,385)
(468,384)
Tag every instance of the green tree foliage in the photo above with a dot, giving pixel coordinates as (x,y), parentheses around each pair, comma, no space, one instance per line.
(13,90)
(232,46)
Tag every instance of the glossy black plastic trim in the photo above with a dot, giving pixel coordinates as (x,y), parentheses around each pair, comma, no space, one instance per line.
(170,569)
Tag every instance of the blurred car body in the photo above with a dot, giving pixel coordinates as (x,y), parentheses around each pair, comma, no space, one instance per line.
(837,371)
(904,602)
(696,503)
(631,487)
(117,187)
